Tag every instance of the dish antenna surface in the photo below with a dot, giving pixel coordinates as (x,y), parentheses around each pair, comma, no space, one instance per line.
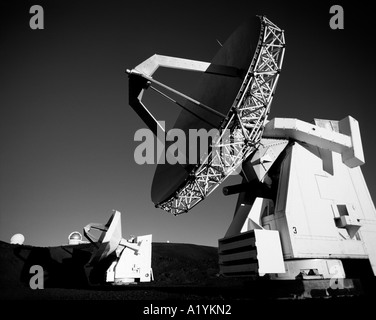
(233,96)
(109,238)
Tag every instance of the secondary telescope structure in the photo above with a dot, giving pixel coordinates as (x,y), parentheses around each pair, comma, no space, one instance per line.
(123,260)
(304,210)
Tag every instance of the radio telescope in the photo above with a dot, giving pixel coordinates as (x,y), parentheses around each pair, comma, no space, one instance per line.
(234,95)
(303,207)
(129,260)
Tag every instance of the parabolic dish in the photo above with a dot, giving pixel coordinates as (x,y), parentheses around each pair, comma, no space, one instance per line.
(109,239)
(215,91)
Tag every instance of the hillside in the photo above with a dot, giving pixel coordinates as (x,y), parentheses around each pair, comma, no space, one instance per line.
(181,272)
(174,264)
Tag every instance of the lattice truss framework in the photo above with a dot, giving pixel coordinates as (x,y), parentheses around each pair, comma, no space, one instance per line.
(242,129)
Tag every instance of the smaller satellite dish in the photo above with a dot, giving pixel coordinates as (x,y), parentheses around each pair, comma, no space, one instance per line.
(109,238)
(18,238)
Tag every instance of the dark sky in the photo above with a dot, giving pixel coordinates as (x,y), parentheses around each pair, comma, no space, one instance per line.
(66,130)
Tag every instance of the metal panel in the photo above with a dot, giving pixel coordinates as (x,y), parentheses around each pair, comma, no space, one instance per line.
(269,252)
(236,244)
(242,268)
(309,214)
(348,142)
(264,256)
(368,234)
(135,264)
(238,256)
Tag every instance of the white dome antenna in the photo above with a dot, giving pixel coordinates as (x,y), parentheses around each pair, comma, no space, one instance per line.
(18,238)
